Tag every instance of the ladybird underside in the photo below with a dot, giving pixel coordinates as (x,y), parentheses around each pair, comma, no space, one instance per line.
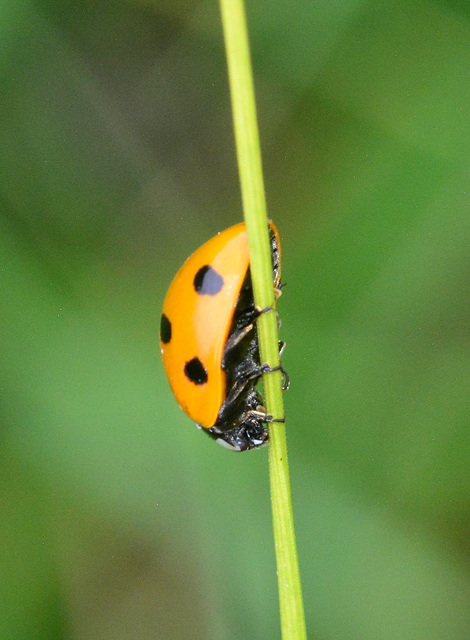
(241,423)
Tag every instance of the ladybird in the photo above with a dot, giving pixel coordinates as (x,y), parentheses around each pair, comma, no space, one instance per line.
(209,340)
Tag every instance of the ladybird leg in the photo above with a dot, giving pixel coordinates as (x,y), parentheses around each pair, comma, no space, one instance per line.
(265,417)
(265,310)
(246,373)
(245,324)
(252,313)
(247,377)
(238,387)
(236,337)
(257,371)
(286,384)
(265,368)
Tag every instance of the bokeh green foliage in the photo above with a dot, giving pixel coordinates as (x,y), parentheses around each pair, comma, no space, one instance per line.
(118,518)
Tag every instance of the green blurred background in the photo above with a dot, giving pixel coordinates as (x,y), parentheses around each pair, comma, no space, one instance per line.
(118,518)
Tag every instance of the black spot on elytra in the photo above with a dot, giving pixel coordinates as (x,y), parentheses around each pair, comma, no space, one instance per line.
(207,281)
(195,372)
(165,329)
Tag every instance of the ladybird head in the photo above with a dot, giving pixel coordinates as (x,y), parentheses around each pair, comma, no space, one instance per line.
(249,433)
(243,438)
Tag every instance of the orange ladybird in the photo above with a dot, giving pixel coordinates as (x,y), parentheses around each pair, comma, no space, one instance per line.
(209,342)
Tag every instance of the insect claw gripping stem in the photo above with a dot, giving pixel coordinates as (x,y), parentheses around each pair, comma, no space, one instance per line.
(260,311)
(265,368)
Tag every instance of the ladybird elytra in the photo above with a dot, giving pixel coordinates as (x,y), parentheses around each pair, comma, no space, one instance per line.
(200,319)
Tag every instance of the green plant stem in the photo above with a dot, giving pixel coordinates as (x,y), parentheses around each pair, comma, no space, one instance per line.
(254,206)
